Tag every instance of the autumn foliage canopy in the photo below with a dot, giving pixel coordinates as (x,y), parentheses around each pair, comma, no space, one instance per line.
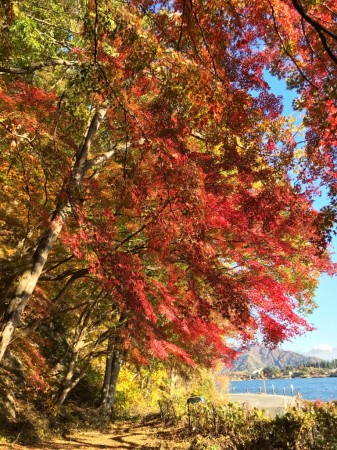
(147,168)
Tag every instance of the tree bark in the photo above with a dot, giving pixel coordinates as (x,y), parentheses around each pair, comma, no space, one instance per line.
(107,373)
(66,388)
(52,62)
(117,362)
(69,381)
(29,278)
(114,361)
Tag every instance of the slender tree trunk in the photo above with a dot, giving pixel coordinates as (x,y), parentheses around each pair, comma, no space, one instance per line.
(29,278)
(66,388)
(70,380)
(174,378)
(117,362)
(107,374)
(67,383)
(114,361)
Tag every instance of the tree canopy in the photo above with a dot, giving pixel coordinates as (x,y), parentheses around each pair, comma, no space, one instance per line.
(150,183)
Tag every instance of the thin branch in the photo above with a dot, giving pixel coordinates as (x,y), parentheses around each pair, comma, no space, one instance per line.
(36,322)
(37,66)
(181,26)
(311,48)
(50,24)
(320,29)
(205,42)
(330,10)
(67,273)
(58,264)
(131,236)
(95,32)
(100,159)
(307,39)
(142,227)
(285,48)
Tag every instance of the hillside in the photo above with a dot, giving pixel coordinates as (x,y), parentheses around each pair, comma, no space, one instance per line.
(258,357)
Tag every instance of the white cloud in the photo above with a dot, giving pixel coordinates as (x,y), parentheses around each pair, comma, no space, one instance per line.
(324,351)
(323,348)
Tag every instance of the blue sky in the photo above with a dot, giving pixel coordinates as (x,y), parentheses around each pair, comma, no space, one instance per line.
(321,342)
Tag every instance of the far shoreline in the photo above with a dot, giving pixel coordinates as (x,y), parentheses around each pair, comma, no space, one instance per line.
(284,378)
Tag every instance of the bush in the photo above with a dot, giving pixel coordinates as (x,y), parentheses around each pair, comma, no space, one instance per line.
(230,427)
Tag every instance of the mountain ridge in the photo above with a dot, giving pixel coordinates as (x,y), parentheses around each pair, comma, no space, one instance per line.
(258,357)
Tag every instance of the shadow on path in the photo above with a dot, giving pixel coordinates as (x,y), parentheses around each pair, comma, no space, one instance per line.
(120,436)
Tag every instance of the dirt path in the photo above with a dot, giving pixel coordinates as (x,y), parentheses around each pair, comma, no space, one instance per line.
(121,435)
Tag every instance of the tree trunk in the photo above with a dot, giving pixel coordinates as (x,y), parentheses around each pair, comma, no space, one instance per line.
(114,362)
(117,362)
(69,382)
(107,374)
(69,386)
(29,278)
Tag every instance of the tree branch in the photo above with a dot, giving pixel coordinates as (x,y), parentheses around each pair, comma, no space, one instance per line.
(59,263)
(120,244)
(36,322)
(96,33)
(320,29)
(285,48)
(83,150)
(37,66)
(70,272)
(100,159)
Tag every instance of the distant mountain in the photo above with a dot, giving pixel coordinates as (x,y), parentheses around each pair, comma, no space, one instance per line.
(258,356)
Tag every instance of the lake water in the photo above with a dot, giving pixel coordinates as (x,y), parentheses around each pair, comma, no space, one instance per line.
(324,389)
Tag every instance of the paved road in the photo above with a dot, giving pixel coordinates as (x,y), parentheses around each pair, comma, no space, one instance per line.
(272,404)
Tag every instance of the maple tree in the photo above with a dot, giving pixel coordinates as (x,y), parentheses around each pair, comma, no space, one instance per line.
(142,147)
(303,40)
